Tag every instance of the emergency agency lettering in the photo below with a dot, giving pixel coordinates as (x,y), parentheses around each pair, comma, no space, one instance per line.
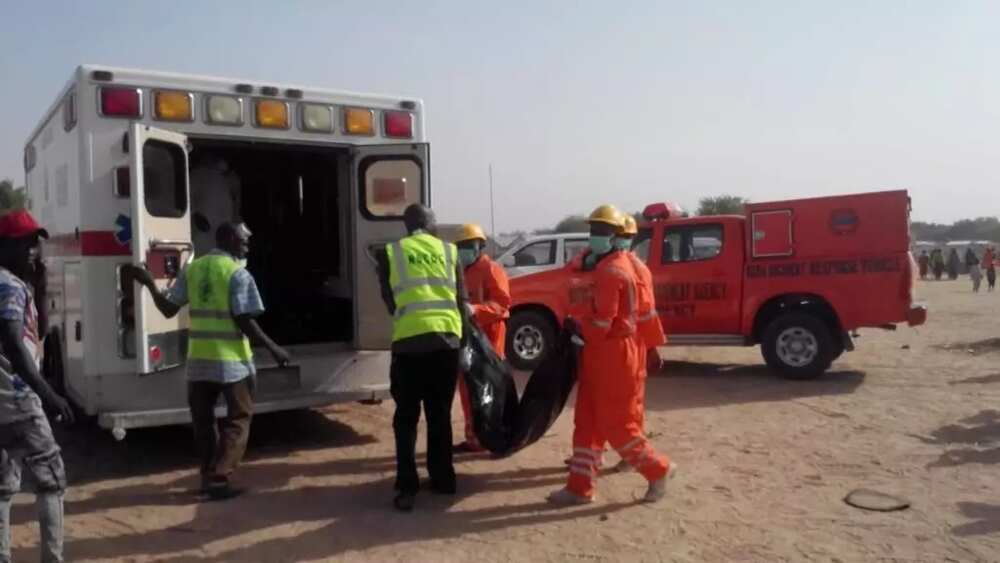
(424,259)
(824,268)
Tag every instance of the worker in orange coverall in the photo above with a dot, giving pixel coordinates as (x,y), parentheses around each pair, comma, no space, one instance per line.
(651,334)
(489,304)
(611,372)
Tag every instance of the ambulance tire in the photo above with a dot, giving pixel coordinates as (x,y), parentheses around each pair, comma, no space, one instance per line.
(798,346)
(529,336)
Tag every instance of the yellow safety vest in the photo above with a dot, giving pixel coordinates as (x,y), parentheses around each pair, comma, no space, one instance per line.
(214,334)
(422,277)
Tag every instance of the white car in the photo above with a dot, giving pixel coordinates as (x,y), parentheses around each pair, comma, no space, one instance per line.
(539,253)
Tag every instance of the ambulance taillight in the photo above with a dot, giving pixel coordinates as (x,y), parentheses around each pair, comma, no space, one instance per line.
(121,102)
(398,124)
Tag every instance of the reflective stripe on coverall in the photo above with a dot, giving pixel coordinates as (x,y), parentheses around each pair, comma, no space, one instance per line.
(609,381)
(489,294)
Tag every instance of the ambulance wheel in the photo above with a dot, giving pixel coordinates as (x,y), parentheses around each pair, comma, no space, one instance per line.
(798,346)
(529,336)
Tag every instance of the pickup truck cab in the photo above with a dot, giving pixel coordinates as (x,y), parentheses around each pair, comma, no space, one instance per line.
(797,277)
(541,253)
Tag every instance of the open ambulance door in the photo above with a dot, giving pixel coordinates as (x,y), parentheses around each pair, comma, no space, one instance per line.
(387,179)
(161,239)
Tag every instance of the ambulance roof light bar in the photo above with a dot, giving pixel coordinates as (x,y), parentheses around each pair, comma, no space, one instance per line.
(662,211)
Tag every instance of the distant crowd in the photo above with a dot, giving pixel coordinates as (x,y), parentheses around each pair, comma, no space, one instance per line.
(976,266)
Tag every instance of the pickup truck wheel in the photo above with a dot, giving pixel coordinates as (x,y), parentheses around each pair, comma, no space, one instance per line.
(798,346)
(529,336)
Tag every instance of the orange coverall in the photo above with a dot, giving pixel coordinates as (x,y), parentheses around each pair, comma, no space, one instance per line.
(650,329)
(610,379)
(489,294)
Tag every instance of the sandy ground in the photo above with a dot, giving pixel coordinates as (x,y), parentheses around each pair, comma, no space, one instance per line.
(765,464)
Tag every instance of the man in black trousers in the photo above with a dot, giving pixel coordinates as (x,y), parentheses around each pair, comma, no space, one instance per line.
(421,282)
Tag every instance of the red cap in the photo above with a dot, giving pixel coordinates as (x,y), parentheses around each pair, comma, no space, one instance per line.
(20,223)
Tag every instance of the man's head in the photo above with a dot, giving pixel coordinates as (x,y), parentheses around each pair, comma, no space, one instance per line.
(20,238)
(234,238)
(419,217)
(623,241)
(471,241)
(605,222)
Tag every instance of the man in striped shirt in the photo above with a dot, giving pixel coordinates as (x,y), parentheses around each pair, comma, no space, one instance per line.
(25,434)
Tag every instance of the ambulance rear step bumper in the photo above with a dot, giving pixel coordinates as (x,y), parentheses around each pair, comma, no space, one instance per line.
(118,422)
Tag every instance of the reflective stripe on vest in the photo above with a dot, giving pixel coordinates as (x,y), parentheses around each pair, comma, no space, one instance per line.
(422,278)
(214,334)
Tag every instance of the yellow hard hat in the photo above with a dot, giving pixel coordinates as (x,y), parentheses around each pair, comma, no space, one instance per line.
(630,228)
(607,214)
(470,231)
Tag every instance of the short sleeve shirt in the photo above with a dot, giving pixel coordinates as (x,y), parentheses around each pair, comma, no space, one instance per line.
(244,299)
(18,401)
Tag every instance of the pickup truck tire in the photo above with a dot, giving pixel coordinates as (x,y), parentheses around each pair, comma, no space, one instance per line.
(798,346)
(530,334)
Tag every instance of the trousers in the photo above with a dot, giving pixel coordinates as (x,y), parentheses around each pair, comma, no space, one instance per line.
(426,380)
(29,443)
(221,444)
(609,410)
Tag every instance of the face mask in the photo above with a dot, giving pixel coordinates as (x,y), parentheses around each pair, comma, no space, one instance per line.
(467,256)
(600,244)
(623,244)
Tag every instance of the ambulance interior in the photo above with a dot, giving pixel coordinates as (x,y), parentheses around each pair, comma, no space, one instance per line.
(293,201)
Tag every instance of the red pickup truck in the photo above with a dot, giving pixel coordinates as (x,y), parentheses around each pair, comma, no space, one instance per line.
(797,277)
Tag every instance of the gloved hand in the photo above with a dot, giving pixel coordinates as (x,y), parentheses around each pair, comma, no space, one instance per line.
(572,326)
(465,359)
(470,309)
(654,363)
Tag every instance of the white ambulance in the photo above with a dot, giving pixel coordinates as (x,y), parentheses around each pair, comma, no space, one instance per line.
(133,166)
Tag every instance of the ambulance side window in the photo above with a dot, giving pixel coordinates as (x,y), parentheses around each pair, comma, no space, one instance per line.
(163,178)
(691,244)
(390,185)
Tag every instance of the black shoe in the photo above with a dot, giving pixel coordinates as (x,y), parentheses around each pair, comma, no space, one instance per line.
(404,502)
(224,492)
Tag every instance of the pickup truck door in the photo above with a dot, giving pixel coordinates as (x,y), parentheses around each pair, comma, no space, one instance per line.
(697,270)
(161,239)
(386,180)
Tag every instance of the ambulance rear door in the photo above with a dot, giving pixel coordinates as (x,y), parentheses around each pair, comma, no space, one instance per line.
(161,239)
(387,179)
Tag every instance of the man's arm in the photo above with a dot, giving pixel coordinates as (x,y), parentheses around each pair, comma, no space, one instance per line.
(11,336)
(39,284)
(463,303)
(496,306)
(252,330)
(246,304)
(142,276)
(382,269)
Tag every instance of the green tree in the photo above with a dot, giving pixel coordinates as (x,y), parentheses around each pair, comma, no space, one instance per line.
(722,205)
(569,224)
(11,198)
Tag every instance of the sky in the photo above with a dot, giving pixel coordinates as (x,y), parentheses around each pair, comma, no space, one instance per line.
(581,103)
